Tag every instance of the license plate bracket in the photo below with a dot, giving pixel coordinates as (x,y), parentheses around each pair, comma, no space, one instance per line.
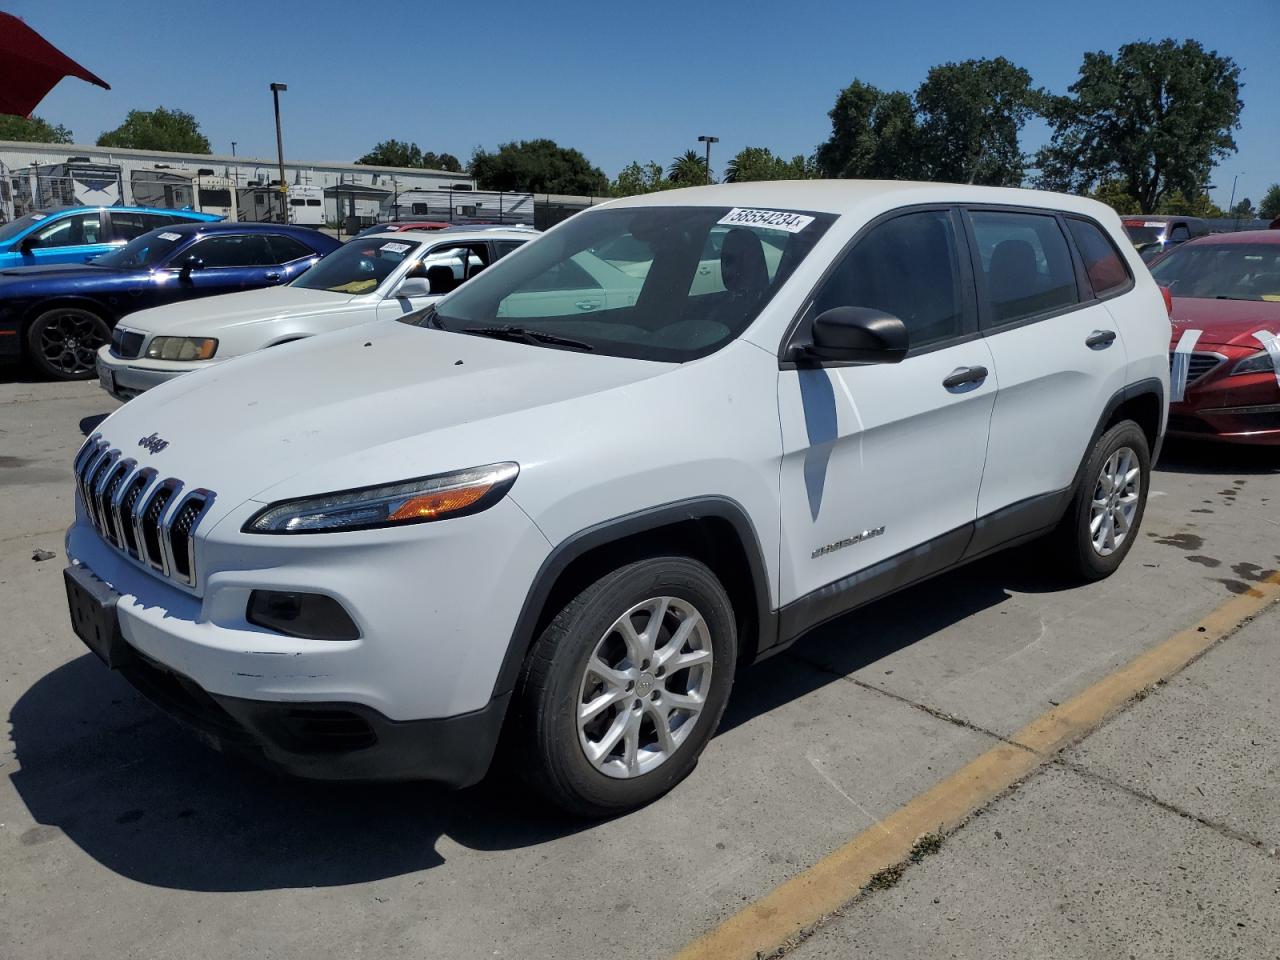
(92,604)
(107,379)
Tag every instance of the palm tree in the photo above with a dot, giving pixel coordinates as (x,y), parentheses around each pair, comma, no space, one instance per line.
(688,169)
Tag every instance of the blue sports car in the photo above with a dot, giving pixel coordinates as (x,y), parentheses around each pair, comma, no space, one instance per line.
(60,315)
(74,234)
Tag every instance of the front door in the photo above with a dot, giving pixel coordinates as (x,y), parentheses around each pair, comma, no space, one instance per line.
(882,463)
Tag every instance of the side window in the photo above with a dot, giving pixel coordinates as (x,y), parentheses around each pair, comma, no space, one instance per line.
(126,226)
(565,275)
(287,249)
(909,267)
(419,209)
(245,251)
(1179,233)
(1102,261)
(503,247)
(464,261)
(1026,264)
(83,228)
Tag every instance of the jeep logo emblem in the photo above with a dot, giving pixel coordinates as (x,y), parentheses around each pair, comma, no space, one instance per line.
(153,443)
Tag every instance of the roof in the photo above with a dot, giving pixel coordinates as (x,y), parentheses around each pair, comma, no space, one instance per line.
(844,196)
(460,234)
(1244,236)
(231,226)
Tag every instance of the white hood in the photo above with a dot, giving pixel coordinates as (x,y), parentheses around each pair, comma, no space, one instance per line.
(211,316)
(382,402)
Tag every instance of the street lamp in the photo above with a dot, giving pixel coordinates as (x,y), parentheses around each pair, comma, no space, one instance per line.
(708,141)
(235,167)
(1231,204)
(284,186)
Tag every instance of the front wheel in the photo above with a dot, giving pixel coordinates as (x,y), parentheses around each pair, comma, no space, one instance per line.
(63,342)
(1102,522)
(626,685)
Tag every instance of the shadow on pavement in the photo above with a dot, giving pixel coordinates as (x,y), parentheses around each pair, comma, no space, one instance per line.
(149,802)
(1203,456)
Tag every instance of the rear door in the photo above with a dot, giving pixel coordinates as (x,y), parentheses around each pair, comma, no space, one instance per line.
(882,463)
(1060,355)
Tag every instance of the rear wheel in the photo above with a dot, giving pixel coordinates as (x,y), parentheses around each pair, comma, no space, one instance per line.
(1102,522)
(625,686)
(63,342)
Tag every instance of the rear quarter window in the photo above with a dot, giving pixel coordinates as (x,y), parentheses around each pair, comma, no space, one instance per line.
(1107,272)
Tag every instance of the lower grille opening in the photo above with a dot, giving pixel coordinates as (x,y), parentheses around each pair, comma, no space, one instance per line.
(185,701)
(325,731)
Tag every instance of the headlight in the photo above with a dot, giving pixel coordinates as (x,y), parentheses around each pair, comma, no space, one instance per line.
(181,348)
(1259,362)
(411,501)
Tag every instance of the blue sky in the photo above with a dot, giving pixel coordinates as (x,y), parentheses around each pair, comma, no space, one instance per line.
(619,82)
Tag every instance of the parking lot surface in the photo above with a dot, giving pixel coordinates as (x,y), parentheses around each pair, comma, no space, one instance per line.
(1151,837)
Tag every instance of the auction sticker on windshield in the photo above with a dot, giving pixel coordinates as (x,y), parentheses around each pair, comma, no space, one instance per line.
(396,247)
(773,219)
(170,236)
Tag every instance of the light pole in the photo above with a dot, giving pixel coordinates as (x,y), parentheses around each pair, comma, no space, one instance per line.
(708,141)
(284,185)
(235,167)
(1231,204)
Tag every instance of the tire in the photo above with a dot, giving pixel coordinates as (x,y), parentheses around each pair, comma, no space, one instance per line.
(62,343)
(551,748)
(1123,446)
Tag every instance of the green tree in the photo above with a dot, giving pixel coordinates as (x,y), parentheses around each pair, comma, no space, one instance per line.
(1115,194)
(639,177)
(689,170)
(1243,210)
(538,166)
(158,129)
(400,153)
(970,115)
(1156,115)
(32,130)
(761,163)
(1176,203)
(873,134)
(1269,209)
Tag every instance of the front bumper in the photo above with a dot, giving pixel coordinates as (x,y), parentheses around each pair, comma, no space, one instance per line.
(1233,409)
(313,739)
(126,379)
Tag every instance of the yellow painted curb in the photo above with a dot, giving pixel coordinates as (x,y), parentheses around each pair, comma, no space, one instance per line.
(799,903)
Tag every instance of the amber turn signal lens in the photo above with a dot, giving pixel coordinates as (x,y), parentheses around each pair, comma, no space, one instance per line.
(434,504)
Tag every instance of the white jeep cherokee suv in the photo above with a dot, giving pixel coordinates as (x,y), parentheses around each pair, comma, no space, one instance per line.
(509,513)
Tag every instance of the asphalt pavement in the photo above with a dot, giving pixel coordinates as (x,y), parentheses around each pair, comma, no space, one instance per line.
(120,836)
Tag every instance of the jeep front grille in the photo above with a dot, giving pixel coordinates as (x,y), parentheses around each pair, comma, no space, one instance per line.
(150,519)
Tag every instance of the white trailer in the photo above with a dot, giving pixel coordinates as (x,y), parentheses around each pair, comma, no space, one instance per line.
(175,188)
(78,182)
(261,203)
(451,205)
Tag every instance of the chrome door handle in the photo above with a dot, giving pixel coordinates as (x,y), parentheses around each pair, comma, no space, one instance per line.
(962,375)
(1099,339)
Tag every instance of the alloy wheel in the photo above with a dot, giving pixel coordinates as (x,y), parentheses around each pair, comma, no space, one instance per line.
(644,687)
(1115,501)
(69,342)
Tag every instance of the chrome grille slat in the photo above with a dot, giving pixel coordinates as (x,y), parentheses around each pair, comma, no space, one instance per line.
(1200,364)
(151,520)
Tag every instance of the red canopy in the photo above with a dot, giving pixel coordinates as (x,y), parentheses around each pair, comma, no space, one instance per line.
(30,66)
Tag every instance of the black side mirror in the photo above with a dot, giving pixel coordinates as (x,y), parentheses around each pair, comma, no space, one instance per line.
(189,264)
(855,335)
(28,244)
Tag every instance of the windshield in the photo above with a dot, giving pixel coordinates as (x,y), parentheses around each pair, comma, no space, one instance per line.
(1141,233)
(149,250)
(359,266)
(654,283)
(14,227)
(1234,271)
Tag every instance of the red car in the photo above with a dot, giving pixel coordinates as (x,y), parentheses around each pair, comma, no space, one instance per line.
(1227,287)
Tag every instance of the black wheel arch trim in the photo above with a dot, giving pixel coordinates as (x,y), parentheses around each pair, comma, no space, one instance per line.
(620,529)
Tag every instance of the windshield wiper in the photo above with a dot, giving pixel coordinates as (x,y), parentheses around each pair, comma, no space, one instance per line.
(526,335)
